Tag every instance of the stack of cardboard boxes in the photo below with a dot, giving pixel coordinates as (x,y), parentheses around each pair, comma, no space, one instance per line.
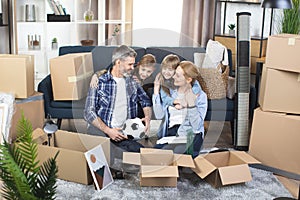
(275,135)
(17,78)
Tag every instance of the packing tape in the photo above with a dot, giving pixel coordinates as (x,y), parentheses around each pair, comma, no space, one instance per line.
(292,40)
(72,79)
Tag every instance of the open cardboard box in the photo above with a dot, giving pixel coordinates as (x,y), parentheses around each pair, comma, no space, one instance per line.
(224,168)
(71,161)
(158,167)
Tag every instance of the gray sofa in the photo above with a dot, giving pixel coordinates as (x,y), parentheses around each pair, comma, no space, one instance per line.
(218,110)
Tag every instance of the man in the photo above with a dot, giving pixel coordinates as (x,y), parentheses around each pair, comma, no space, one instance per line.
(116,99)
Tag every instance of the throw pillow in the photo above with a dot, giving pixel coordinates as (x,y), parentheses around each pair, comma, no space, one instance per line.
(198,59)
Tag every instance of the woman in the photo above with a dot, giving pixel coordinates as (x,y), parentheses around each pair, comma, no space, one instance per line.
(192,112)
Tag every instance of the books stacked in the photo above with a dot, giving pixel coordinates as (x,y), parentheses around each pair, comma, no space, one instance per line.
(59,12)
(57,8)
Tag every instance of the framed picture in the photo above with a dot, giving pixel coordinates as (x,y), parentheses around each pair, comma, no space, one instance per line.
(99,168)
(3,121)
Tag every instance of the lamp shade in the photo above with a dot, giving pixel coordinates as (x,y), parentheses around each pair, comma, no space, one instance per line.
(283,4)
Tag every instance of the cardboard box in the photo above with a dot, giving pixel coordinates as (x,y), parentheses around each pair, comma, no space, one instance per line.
(283,52)
(33,109)
(71,161)
(293,186)
(70,75)
(224,168)
(17,74)
(158,167)
(280,91)
(274,140)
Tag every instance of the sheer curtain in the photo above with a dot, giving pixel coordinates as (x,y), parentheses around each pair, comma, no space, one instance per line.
(197,24)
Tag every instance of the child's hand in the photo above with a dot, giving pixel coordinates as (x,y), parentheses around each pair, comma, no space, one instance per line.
(157,82)
(94,81)
(136,79)
(179,103)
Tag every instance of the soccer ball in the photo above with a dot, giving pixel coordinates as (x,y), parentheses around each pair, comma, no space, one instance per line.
(134,128)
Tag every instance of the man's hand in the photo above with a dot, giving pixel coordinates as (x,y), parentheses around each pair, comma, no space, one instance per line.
(146,120)
(115,134)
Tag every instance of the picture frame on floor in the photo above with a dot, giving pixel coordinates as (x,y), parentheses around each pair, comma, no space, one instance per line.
(99,168)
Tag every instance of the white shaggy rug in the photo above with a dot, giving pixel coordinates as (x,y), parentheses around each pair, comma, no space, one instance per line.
(263,186)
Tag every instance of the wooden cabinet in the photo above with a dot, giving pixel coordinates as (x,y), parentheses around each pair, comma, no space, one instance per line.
(70,32)
(255,44)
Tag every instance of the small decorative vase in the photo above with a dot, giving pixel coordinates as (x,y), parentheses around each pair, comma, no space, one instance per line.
(54,45)
(88,15)
(114,41)
(232,32)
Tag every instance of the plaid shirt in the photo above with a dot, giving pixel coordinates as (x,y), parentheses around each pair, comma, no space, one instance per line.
(100,101)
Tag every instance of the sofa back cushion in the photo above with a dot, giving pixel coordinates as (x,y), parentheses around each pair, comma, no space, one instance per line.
(184,53)
(101,54)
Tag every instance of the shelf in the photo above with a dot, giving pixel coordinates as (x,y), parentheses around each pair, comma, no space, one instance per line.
(232,36)
(3,25)
(69,32)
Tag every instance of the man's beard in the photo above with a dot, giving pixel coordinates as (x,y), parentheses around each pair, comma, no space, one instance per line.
(128,74)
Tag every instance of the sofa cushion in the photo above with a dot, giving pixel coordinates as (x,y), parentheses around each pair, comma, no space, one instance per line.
(102,56)
(220,104)
(184,53)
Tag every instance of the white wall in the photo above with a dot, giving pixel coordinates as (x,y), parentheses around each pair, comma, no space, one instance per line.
(156,22)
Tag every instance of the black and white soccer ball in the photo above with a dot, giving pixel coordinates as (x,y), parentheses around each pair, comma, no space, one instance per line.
(134,128)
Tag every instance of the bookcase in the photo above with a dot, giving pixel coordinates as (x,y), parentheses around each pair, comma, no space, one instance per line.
(68,32)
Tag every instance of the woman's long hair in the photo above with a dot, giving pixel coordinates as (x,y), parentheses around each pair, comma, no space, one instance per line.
(190,71)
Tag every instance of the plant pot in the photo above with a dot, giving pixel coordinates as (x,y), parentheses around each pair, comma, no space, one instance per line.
(87,42)
(54,45)
(114,41)
(232,32)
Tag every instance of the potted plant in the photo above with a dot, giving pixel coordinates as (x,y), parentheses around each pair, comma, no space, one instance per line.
(231,29)
(290,21)
(22,175)
(54,43)
(114,35)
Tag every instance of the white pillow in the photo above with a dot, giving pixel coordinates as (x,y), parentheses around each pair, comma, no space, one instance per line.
(198,59)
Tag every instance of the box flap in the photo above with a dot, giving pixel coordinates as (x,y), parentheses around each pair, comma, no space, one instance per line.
(131,158)
(235,174)
(245,157)
(203,167)
(148,171)
(184,160)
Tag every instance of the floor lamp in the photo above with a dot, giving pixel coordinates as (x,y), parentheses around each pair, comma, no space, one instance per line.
(282,4)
